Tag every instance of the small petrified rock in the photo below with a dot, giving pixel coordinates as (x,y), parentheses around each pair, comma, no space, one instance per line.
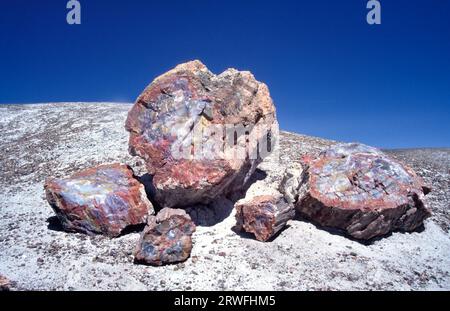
(5,284)
(100,200)
(167,238)
(290,184)
(362,191)
(201,135)
(264,216)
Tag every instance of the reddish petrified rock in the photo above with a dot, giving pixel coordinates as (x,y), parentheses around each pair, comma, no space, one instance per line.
(166,239)
(264,216)
(361,190)
(100,200)
(201,135)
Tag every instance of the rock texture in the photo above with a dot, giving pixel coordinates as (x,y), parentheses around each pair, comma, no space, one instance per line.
(264,216)
(166,239)
(180,117)
(290,184)
(361,190)
(99,200)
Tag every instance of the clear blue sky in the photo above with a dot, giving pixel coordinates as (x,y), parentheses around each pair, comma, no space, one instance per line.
(329,72)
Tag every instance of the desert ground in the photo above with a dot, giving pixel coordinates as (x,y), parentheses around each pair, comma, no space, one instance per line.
(45,140)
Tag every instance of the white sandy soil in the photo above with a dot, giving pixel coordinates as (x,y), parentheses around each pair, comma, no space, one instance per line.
(39,141)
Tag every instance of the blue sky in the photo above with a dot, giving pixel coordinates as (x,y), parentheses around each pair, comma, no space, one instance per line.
(330,73)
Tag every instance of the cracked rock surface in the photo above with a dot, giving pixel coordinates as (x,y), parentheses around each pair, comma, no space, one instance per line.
(361,190)
(101,200)
(264,216)
(167,238)
(188,100)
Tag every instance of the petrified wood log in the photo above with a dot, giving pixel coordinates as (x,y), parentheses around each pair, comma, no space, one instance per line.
(166,239)
(362,191)
(100,200)
(264,216)
(201,135)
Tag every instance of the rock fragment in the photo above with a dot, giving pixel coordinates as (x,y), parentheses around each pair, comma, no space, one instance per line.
(201,135)
(100,200)
(264,216)
(5,284)
(362,191)
(290,184)
(167,239)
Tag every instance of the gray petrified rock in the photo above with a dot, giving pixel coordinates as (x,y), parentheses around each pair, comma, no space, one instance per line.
(166,239)
(360,190)
(290,183)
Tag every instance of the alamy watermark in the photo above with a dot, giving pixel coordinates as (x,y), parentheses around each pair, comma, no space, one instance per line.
(225,142)
(374,15)
(229,141)
(74,15)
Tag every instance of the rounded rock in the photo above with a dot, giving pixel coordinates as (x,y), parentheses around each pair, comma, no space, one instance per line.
(181,122)
(362,191)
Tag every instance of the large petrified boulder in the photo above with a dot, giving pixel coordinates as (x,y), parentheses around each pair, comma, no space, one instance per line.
(264,216)
(362,191)
(99,200)
(166,239)
(201,135)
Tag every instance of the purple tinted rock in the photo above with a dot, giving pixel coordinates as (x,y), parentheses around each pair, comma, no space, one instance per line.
(362,191)
(100,200)
(189,97)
